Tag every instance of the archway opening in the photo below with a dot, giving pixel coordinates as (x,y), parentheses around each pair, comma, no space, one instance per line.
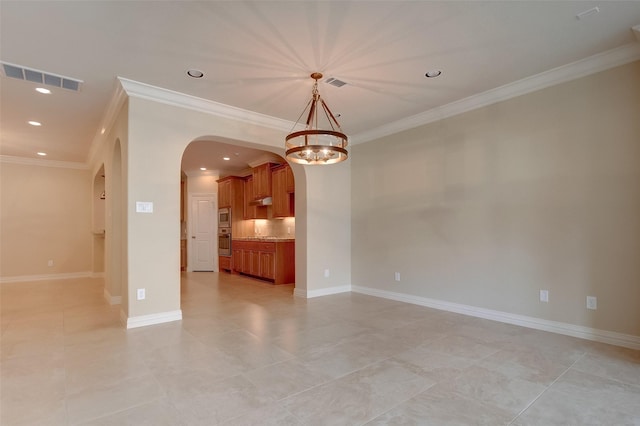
(226,174)
(98,222)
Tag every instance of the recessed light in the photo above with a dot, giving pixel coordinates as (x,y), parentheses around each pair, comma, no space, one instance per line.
(195,73)
(42,154)
(203,168)
(433,73)
(43,90)
(35,123)
(102,131)
(226,158)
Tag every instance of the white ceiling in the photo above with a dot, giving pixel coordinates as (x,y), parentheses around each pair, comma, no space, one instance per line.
(258,56)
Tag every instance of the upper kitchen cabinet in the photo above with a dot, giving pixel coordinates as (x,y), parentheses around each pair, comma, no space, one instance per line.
(230,193)
(262,181)
(291,185)
(252,211)
(283,199)
(224,193)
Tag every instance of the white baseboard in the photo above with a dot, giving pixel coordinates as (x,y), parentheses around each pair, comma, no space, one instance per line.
(144,320)
(308,294)
(112,300)
(610,337)
(45,277)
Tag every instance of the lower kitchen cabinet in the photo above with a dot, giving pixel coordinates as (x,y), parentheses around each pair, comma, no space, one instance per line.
(268,260)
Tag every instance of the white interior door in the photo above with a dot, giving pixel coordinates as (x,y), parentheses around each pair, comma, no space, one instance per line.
(203,233)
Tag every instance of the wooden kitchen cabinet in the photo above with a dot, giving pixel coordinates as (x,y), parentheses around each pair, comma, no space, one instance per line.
(283,201)
(224,193)
(267,265)
(252,212)
(237,259)
(272,261)
(224,263)
(290,182)
(262,181)
(183,255)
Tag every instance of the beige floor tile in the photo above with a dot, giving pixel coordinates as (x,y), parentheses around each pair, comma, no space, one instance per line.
(509,393)
(462,346)
(272,415)
(612,362)
(201,401)
(90,368)
(157,413)
(555,408)
(605,393)
(434,365)
(439,407)
(531,365)
(33,391)
(285,378)
(357,397)
(109,398)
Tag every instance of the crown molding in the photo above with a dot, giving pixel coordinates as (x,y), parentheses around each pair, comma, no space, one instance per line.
(181,100)
(42,162)
(591,65)
(113,108)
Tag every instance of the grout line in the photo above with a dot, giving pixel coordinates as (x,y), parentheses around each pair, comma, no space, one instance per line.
(547,388)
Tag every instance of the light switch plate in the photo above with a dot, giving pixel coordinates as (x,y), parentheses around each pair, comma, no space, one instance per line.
(144,207)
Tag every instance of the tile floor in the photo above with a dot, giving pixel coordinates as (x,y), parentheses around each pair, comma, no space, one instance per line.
(248,353)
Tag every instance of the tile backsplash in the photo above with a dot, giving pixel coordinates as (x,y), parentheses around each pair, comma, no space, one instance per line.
(281,228)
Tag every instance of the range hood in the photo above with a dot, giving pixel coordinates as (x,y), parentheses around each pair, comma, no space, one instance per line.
(266,201)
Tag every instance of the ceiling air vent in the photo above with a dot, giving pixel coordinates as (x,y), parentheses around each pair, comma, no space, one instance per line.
(335,82)
(41,77)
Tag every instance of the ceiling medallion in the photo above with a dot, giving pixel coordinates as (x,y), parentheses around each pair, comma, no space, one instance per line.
(318,143)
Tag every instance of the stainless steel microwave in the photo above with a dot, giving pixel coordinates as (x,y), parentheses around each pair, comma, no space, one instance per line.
(224,218)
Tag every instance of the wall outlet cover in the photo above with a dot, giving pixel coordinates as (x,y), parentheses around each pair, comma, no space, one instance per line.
(544,295)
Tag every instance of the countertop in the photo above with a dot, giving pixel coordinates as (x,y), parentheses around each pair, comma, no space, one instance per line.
(265,239)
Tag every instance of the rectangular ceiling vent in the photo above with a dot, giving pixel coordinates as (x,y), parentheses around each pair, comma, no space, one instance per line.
(41,77)
(335,82)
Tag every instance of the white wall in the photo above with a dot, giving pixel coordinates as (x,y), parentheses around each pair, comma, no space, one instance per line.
(488,207)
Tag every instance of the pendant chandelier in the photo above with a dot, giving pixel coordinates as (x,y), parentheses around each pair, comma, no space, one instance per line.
(322,140)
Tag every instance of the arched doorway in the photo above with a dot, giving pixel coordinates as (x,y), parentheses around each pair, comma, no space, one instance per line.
(98,222)
(204,162)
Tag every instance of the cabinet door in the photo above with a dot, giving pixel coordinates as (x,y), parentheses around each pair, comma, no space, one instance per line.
(237,260)
(255,263)
(246,261)
(252,212)
(249,211)
(267,265)
(262,181)
(282,206)
(224,194)
(291,185)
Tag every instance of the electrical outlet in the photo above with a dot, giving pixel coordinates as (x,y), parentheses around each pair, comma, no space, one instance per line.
(592,302)
(141,294)
(544,295)
(397,276)
(50,263)
(326,273)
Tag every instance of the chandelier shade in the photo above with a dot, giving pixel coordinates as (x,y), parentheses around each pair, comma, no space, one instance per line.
(322,140)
